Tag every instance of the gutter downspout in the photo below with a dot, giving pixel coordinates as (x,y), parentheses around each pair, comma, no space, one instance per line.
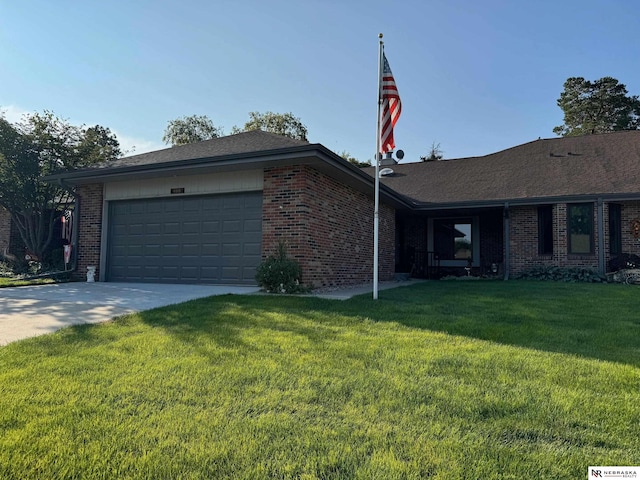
(600,219)
(507,239)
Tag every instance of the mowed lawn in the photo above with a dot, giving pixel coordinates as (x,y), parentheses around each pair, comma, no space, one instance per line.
(441,380)
(12,282)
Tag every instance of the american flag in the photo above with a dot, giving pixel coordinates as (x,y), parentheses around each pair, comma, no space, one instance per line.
(391,107)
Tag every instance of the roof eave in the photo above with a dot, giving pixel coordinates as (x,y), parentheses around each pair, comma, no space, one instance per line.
(315,155)
(616,197)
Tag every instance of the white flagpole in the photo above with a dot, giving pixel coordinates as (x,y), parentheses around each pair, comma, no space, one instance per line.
(376,215)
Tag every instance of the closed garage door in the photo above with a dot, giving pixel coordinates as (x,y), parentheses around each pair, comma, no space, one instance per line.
(208,239)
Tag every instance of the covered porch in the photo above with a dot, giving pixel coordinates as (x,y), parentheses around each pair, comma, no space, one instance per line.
(459,242)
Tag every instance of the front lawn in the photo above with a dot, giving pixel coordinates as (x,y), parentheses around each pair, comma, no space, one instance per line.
(21,282)
(444,380)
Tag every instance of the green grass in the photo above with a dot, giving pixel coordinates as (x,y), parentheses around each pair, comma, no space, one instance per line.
(13,282)
(445,380)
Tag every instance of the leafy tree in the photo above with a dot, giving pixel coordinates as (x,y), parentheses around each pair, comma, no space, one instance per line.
(39,145)
(194,128)
(597,107)
(280,123)
(98,143)
(435,153)
(349,158)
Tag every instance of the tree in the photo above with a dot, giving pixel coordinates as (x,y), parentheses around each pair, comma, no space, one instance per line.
(280,123)
(99,143)
(435,153)
(349,158)
(39,145)
(597,107)
(195,128)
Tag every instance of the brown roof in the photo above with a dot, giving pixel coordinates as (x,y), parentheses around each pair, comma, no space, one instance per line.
(245,142)
(557,167)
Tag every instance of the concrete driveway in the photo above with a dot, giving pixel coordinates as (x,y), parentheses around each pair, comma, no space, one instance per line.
(36,310)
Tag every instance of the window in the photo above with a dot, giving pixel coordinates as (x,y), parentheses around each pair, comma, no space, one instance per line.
(545,230)
(452,239)
(615,229)
(580,228)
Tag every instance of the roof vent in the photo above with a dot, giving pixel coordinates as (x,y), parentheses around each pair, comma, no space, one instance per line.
(385,172)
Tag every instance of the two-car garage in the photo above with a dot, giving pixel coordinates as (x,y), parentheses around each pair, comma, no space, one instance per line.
(214,239)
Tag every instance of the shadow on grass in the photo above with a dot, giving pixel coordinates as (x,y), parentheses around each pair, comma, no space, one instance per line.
(592,321)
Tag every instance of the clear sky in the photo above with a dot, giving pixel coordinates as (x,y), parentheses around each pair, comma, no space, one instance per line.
(474,76)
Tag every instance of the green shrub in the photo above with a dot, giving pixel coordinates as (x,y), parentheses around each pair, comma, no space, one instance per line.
(280,274)
(563,274)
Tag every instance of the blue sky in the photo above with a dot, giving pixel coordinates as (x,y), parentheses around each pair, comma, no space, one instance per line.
(474,76)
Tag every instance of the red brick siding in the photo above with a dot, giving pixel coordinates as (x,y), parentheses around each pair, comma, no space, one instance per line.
(524,240)
(327,227)
(630,212)
(89,226)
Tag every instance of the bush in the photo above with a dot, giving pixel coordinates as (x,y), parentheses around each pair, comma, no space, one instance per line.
(280,274)
(563,274)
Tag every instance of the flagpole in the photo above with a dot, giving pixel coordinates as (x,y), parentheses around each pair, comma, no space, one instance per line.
(376,213)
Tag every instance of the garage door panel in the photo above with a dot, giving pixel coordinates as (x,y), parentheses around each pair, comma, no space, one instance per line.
(209,239)
(210,249)
(192,204)
(154,206)
(190,273)
(211,226)
(191,227)
(230,273)
(236,201)
(249,272)
(171,228)
(153,229)
(171,206)
(253,226)
(252,250)
(191,250)
(138,208)
(231,226)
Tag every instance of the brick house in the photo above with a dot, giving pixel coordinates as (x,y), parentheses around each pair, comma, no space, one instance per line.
(209,212)
(567,202)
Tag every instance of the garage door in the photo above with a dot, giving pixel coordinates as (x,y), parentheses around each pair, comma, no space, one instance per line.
(208,239)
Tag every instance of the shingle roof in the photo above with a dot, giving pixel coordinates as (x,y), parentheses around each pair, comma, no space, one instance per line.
(565,166)
(245,142)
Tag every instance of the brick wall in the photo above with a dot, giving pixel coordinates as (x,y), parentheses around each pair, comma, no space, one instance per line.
(524,240)
(327,227)
(630,212)
(89,225)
